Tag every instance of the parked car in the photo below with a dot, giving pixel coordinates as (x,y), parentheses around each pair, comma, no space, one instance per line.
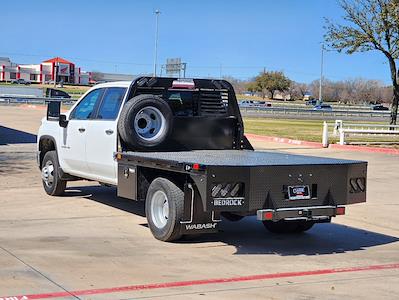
(54,93)
(20,81)
(380,107)
(254,103)
(247,103)
(322,107)
(263,103)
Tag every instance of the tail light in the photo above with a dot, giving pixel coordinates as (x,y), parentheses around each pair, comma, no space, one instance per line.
(340,210)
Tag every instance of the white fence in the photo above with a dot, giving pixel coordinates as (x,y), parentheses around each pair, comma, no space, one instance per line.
(342,130)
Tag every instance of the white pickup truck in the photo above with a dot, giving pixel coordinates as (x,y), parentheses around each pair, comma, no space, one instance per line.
(180,146)
(85,147)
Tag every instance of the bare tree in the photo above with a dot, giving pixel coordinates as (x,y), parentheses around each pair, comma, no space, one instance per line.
(370,25)
(298,90)
(354,91)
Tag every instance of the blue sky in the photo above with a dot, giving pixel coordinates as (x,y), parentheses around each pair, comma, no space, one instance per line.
(236,38)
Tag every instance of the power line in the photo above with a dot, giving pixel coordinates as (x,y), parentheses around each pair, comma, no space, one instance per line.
(204,67)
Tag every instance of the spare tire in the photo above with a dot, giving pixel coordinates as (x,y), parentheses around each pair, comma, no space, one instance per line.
(145,122)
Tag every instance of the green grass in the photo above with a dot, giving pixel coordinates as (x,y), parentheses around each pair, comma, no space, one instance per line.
(305,130)
(294,129)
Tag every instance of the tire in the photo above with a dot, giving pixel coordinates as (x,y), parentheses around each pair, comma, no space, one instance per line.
(52,183)
(164,209)
(231,217)
(145,122)
(286,227)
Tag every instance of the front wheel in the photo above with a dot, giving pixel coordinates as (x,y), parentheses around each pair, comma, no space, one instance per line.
(164,209)
(52,183)
(284,227)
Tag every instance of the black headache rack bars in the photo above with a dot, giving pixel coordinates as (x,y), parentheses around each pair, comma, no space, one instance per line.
(209,98)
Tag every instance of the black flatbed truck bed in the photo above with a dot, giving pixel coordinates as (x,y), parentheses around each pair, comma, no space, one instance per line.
(231,158)
(213,170)
(265,178)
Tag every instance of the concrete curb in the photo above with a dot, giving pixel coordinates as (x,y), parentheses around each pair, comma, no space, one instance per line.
(283,140)
(365,149)
(319,145)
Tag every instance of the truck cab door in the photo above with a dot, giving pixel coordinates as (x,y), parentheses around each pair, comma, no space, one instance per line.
(101,139)
(73,139)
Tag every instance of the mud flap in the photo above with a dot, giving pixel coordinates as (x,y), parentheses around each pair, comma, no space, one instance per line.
(195,220)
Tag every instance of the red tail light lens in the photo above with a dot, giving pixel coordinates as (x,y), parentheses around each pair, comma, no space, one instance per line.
(268,215)
(340,210)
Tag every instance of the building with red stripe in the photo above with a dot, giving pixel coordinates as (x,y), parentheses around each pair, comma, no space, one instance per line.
(56,68)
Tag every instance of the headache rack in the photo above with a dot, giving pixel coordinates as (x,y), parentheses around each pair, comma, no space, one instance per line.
(213,102)
(208,98)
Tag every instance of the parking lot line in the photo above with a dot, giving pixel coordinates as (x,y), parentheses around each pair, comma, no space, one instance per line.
(204,282)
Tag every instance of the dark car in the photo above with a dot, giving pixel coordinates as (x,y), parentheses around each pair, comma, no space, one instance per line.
(380,107)
(54,93)
(20,81)
(322,107)
(312,102)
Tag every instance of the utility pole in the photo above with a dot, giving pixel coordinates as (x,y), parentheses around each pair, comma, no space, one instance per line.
(157,12)
(220,71)
(321,75)
(56,66)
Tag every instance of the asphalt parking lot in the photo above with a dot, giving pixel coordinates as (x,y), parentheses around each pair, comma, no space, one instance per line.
(90,244)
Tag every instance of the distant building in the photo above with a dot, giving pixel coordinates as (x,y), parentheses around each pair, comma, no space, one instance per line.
(44,72)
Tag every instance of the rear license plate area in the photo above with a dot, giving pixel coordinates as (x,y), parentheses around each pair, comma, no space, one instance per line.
(298,192)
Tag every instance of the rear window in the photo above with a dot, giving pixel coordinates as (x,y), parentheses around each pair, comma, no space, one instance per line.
(111,103)
(181,102)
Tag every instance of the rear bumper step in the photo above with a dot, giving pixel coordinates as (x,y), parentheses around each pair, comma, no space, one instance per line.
(314,213)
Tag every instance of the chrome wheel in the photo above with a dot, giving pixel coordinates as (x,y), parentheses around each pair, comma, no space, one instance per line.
(159,209)
(48,173)
(149,123)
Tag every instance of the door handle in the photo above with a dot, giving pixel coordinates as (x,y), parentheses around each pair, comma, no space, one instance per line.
(82,129)
(109,131)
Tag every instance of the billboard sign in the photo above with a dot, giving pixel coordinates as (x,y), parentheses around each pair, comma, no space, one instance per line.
(174,66)
(63,69)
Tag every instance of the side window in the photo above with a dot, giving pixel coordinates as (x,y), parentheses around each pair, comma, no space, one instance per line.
(111,103)
(85,109)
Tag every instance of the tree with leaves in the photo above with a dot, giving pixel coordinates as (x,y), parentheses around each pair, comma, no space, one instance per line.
(272,82)
(369,25)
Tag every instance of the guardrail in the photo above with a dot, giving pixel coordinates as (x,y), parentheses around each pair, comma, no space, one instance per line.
(293,104)
(14,99)
(303,111)
(284,111)
(342,130)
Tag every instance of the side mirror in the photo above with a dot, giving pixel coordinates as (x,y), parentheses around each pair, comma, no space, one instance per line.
(53,110)
(63,122)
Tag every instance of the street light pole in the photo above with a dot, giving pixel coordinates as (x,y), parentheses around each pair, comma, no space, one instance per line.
(321,75)
(157,12)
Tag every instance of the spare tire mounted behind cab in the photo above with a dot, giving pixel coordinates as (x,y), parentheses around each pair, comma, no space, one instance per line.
(145,122)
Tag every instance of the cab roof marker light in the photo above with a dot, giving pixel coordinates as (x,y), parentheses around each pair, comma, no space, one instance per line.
(183,84)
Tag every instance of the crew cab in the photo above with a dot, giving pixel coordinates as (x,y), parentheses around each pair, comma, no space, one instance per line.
(179,145)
